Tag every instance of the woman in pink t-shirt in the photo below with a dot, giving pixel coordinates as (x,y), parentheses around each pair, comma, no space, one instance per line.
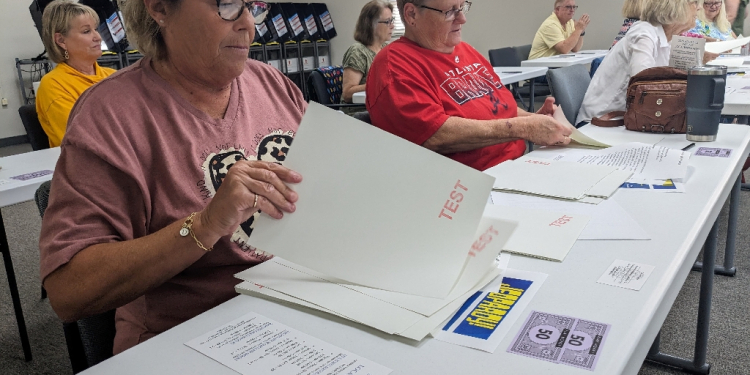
(165,161)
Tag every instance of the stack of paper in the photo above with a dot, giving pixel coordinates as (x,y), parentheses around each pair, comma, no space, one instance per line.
(558,179)
(406,315)
(649,164)
(576,137)
(386,233)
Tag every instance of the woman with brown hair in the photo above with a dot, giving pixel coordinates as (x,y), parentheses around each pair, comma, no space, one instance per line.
(374,28)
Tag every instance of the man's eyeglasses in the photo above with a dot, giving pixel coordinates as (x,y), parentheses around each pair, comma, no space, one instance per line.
(231,10)
(451,14)
(714,4)
(570,7)
(389,21)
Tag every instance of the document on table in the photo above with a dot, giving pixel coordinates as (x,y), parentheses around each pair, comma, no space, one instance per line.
(620,135)
(254,344)
(628,275)
(485,318)
(609,221)
(386,206)
(560,179)
(727,45)
(644,160)
(561,339)
(540,234)
(686,52)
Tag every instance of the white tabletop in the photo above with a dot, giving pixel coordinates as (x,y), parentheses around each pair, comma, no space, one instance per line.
(568,59)
(737,95)
(678,225)
(14,191)
(513,74)
(359,97)
(508,75)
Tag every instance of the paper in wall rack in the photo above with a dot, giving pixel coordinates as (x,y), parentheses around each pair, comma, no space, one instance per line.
(294,21)
(325,22)
(307,16)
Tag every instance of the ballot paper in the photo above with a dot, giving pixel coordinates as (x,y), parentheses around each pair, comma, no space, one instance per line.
(727,45)
(487,317)
(620,135)
(540,234)
(254,344)
(384,206)
(560,179)
(561,339)
(628,275)
(686,52)
(609,220)
(390,312)
(576,137)
(644,160)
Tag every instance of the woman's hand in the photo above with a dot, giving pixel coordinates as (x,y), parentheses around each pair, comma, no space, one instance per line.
(248,187)
(546,131)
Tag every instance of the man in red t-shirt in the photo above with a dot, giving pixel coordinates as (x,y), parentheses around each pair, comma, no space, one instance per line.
(436,91)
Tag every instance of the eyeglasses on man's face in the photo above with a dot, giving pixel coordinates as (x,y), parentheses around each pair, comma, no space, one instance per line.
(569,8)
(712,5)
(231,10)
(451,14)
(389,21)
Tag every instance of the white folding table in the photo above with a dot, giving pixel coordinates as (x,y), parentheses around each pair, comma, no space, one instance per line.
(568,59)
(679,225)
(14,191)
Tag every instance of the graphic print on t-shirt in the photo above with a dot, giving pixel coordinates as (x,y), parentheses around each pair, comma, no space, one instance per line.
(471,82)
(271,148)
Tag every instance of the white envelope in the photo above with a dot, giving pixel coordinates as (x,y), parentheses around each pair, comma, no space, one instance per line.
(566,180)
(727,45)
(540,234)
(375,209)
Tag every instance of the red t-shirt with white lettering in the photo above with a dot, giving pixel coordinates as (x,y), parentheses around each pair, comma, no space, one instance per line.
(412,91)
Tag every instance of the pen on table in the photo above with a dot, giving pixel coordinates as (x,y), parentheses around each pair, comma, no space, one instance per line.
(688,147)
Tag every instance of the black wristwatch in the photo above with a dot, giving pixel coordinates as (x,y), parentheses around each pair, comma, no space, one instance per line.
(583,33)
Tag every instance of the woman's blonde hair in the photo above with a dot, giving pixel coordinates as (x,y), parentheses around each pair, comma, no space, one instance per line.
(722,22)
(56,19)
(632,9)
(364,31)
(142,28)
(666,12)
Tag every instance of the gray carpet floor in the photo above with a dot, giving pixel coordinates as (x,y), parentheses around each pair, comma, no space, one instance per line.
(729,346)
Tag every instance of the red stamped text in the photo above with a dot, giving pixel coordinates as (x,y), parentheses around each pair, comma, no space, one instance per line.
(451,205)
(561,221)
(483,241)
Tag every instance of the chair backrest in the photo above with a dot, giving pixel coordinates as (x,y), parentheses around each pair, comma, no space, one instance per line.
(363,116)
(325,85)
(89,340)
(595,65)
(504,57)
(568,86)
(523,51)
(37,136)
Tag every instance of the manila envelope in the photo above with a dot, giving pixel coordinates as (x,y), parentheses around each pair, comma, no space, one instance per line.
(375,209)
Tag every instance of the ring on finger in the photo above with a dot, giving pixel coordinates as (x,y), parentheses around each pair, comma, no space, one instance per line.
(255,204)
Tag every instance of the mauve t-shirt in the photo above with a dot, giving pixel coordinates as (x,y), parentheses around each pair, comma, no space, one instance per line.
(137,157)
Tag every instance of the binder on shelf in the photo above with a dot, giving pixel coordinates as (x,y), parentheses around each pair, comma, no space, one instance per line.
(324,20)
(307,15)
(298,30)
(273,54)
(323,51)
(292,57)
(277,24)
(262,34)
(307,50)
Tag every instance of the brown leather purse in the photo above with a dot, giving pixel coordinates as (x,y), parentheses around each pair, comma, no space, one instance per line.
(655,103)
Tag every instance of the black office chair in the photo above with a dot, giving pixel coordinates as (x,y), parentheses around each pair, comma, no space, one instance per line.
(512,56)
(325,87)
(37,136)
(89,340)
(363,116)
(568,86)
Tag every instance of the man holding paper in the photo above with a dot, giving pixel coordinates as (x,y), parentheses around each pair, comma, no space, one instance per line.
(434,90)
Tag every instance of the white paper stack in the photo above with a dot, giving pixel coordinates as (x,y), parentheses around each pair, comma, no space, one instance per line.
(386,233)
(558,179)
(406,315)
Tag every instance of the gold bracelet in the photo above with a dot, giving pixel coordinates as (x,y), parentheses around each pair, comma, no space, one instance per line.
(187,228)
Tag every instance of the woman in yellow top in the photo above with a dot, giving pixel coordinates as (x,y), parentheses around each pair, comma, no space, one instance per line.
(70,37)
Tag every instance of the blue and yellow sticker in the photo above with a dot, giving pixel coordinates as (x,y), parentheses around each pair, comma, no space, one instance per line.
(486,316)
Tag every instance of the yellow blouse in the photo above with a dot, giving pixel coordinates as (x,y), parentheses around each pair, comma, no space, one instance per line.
(58,92)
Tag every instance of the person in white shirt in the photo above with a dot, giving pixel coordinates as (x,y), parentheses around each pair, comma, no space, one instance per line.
(646,45)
